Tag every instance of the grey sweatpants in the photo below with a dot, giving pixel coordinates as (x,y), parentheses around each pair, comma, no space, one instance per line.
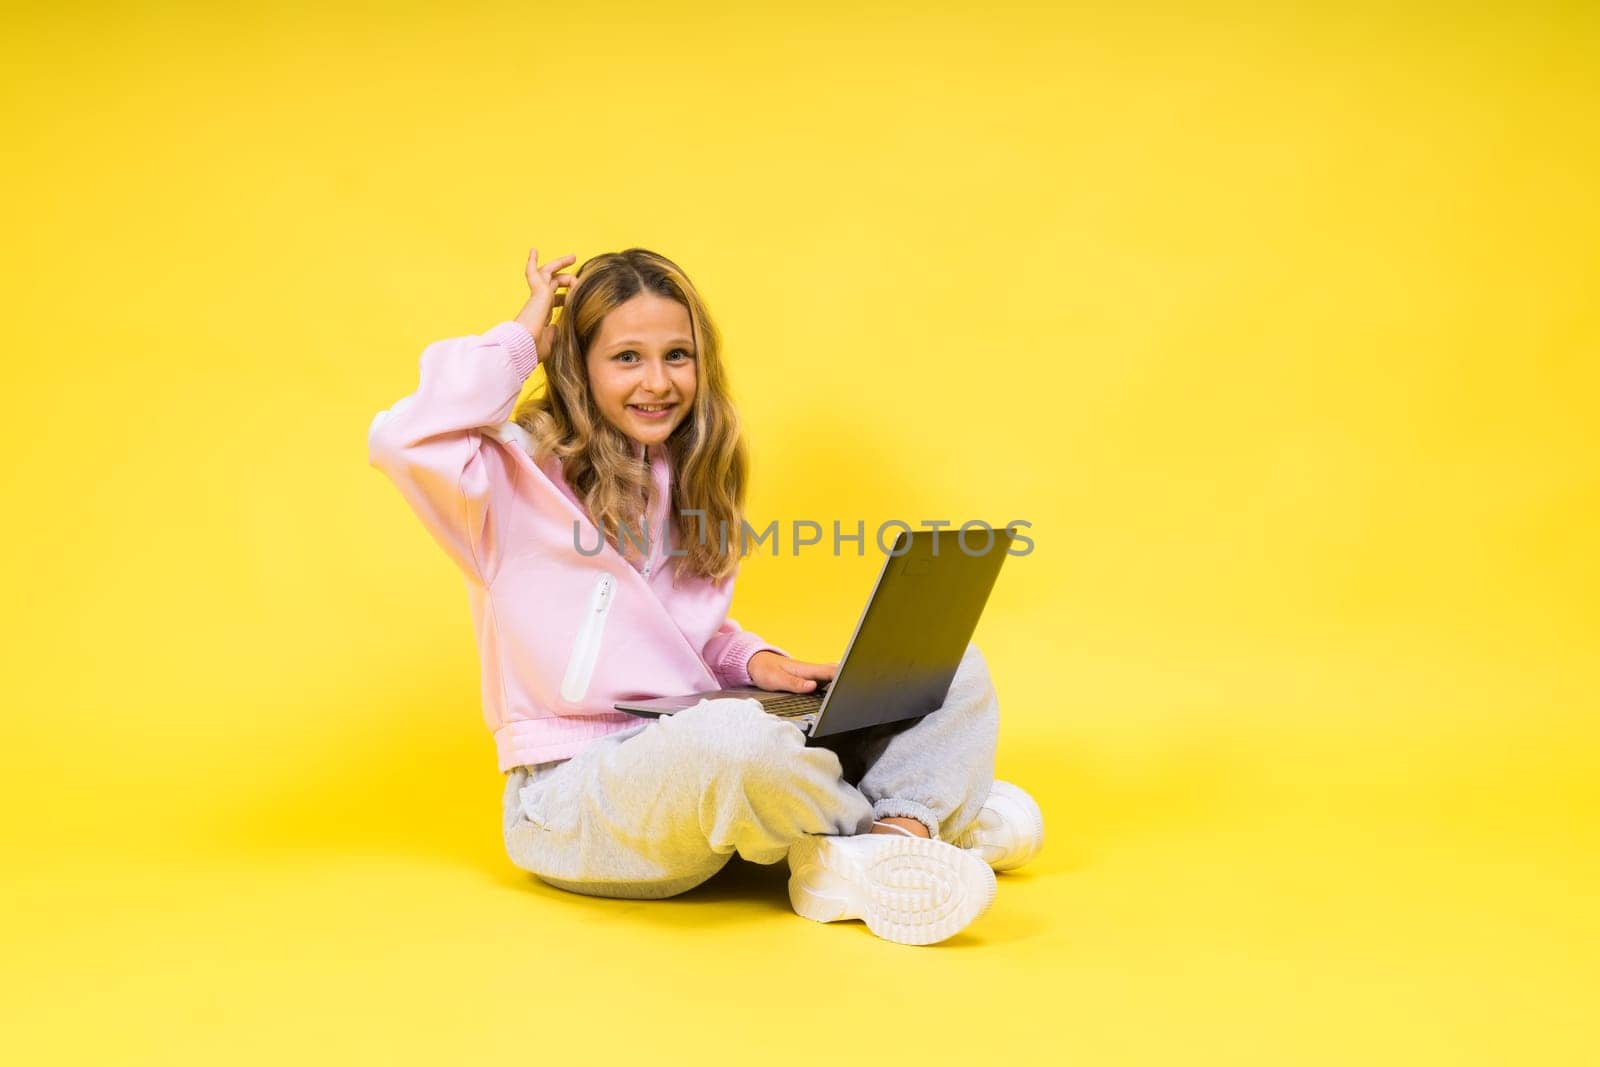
(658,808)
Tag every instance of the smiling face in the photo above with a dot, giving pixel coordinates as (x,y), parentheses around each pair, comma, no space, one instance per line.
(642,367)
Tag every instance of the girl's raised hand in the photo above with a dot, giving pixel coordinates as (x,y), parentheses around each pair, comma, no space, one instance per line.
(782,674)
(543,281)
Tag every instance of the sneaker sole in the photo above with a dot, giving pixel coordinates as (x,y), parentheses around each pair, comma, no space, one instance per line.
(911,890)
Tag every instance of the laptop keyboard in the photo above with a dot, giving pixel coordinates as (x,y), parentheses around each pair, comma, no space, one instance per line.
(792,707)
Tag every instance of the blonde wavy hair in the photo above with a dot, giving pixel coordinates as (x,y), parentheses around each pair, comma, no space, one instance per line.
(709,462)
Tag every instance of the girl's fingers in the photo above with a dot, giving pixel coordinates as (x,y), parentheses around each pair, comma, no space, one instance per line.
(813,670)
(799,683)
(534,269)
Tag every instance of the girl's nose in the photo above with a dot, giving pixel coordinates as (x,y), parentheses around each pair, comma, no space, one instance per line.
(655,378)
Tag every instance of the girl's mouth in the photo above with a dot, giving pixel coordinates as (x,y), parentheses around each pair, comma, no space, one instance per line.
(652,412)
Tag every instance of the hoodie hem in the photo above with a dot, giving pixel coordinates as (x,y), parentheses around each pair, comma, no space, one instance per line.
(556,737)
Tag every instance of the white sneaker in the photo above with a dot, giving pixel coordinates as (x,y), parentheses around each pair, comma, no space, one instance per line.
(1009,831)
(907,889)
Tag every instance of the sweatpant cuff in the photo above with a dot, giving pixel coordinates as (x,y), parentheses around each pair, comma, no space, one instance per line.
(892,808)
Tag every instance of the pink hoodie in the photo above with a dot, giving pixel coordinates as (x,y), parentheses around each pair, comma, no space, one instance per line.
(563,636)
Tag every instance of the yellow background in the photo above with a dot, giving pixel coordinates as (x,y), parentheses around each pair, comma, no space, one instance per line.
(1278,326)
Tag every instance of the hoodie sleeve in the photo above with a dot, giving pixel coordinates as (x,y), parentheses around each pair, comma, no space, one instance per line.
(431,445)
(729,651)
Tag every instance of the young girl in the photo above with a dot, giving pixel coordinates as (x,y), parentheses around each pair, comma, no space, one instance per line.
(581,526)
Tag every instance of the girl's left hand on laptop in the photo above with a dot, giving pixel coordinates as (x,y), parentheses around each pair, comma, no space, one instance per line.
(768,670)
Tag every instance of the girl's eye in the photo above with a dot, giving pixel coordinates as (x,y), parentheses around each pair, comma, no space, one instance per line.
(630,355)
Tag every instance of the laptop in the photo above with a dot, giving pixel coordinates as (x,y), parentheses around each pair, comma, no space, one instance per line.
(903,655)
